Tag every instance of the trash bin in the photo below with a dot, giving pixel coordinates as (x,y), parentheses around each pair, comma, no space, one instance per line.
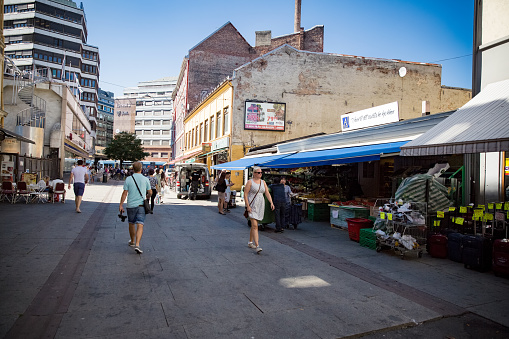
(355,225)
(105,177)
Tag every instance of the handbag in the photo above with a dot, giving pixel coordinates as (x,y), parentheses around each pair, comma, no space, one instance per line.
(146,204)
(246,214)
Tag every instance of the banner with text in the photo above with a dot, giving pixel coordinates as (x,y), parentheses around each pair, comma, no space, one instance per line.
(374,116)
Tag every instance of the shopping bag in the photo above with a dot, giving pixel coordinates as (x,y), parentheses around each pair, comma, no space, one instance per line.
(146,205)
(246,215)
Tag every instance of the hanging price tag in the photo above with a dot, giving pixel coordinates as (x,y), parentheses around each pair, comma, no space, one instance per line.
(436,222)
(478,213)
(389,216)
(499,206)
(506,206)
(481,207)
(490,206)
(489,216)
(382,215)
(459,221)
(440,214)
(453,219)
(463,209)
(507,215)
(452,209)
(476,218)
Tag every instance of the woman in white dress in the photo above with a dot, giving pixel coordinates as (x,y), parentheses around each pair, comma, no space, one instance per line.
(255,205)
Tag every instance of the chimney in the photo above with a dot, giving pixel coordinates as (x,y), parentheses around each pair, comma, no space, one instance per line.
(296,27)
(425,108)
(263,38)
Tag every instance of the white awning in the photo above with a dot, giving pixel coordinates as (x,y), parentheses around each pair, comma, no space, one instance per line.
(481,125)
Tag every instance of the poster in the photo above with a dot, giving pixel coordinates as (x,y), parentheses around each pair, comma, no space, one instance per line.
(268,116)
(7,170)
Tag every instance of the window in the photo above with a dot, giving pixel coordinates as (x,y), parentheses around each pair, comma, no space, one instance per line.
(192,138)
(166,122)
(165,142)
(205,131)
(154,154)
(201,133)
(139,132)
(212,128)
(147,132)
(156,132)
(164,155)
(147,122)
(218,124)
(165,132)
(226,119)
(196,136)
(157,122)
(137,122)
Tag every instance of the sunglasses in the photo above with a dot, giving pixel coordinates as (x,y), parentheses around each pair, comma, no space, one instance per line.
(258,172)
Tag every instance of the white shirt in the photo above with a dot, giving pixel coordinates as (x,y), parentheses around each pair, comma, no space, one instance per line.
(55,182)
(79,174)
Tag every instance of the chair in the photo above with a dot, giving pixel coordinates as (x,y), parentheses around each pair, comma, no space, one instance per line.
(8,193)
(59,189)
(39,195)
(22,192)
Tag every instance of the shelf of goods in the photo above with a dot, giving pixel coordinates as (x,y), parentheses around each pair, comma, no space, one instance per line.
(339,214)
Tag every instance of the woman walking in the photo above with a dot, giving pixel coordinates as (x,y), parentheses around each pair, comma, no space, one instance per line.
(221,188)
(255,205)
(227,192)
(153,186)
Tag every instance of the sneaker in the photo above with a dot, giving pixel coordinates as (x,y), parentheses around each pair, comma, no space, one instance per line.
(279,231)
(132,244)
(258,249)
(251,245)
(138,250)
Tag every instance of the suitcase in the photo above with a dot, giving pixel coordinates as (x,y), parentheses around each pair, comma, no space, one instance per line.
(501,257)
(438,246)
(295,215)
(477,252)
(454,247)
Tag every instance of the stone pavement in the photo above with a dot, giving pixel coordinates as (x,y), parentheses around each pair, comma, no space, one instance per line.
(69,275)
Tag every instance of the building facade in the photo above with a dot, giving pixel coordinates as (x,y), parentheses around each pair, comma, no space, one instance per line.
(105,108)
(153,123)
(51,36)
(213,59)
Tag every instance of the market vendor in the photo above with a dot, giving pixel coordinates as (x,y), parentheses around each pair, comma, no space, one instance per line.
(288,198)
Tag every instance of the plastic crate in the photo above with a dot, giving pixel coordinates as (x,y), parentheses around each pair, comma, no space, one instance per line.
(369,243)
(355,225)
(367,233)
(318,212)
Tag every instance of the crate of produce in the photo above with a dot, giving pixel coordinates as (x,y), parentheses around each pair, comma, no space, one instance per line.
(355,225)
(318,212)
(339,214)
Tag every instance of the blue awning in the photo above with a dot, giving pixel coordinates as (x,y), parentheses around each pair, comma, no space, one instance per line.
(335,156)
(244,163)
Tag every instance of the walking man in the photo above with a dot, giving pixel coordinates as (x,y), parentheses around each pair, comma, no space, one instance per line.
(134,187)
(80,176)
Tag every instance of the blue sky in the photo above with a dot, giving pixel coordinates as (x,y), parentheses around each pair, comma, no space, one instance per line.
(147,40)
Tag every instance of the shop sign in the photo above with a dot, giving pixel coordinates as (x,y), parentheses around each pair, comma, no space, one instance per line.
(374,116)
(267,116)
(10,145)
(188,161)
(220,143)
(506,166)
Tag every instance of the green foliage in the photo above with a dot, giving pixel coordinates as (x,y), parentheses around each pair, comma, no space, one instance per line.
(125,146)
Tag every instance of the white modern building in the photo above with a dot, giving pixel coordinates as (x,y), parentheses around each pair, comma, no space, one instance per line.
(154,116)
(50,36)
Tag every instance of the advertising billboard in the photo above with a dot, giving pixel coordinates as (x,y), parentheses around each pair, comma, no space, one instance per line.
(267,116)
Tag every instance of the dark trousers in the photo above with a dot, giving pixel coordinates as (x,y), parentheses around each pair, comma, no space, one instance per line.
(279,214)
(152,198)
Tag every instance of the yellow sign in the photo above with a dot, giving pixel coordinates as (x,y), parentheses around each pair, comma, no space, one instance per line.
(440,214)
(452,209)
(506,206)
(459,221)
(490,206)
(489,216)
(499,206)
(478,213)
(481,207)
(382,215)
(436,222)
(389,216)
(463,209)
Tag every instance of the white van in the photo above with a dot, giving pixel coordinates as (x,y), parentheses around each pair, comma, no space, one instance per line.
(182,177)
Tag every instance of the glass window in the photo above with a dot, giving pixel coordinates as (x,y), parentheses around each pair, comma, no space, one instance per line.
(147,122)
(218,124)
(164,155)
(212,128)
(201,133)
(205,131)
(156,132)
(192,138)
(226,119)
(154,154)
(196,136)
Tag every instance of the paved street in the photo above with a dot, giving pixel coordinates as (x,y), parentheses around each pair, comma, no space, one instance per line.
(69,275)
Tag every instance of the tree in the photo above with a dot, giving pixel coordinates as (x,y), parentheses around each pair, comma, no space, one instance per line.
(125,146)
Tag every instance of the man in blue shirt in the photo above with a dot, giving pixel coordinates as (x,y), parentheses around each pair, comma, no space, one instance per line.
(278,196)
(135,209)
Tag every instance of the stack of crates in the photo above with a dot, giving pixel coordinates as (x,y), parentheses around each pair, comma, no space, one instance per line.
(367,238)
(318,211)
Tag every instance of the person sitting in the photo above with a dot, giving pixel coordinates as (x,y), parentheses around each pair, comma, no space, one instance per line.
(53,186)
(44,184)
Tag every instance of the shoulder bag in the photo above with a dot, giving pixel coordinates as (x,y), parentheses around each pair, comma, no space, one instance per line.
(146,204)
(246,214)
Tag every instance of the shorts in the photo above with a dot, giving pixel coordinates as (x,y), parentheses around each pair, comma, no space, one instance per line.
(79,188)
(136,215)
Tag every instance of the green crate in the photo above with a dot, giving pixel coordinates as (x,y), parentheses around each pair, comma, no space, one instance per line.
(318,212)
(369,243)
(367,233)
